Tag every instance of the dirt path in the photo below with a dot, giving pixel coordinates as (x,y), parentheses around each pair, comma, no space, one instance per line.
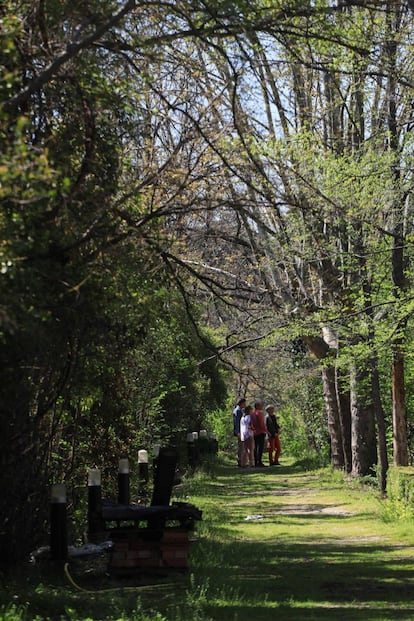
(284,544)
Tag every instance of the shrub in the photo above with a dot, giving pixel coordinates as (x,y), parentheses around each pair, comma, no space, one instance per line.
(400,494)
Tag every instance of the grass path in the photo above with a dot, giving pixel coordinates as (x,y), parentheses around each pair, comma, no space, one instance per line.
(275,544)
(280,543)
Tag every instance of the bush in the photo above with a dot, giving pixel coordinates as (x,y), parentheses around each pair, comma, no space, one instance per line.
(303,435)
(400,494)
(220,422)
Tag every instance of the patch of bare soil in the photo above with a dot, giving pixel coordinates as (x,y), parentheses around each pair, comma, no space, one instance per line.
(292,492)
(304,509)
(279,492)
(298,509)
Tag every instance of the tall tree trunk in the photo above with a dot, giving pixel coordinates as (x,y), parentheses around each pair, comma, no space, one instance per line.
(382,436)
(344,406)
(399,415)
(336,416)
(23,488)
(393,21)
(364,450)
(399,421)
(332,411)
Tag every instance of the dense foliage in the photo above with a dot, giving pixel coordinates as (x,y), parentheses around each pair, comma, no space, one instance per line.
(185,186)
(98,357)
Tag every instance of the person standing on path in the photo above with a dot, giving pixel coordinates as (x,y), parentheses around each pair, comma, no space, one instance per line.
(246,436)
(260,431)
(273,430)
(237,414)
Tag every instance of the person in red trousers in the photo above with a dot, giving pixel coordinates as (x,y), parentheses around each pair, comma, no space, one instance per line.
(273,430)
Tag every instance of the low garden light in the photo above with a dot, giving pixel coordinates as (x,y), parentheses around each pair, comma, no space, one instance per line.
(123,481)
(58,523)
(143,466)
(94,501)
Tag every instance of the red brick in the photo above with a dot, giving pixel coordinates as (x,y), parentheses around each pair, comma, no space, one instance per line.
(147,554)
(121,545)
(120,563)
(149,562)
(137,544)
(175,562)
(119,555)
(175,536)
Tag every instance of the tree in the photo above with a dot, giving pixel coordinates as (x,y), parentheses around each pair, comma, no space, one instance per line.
(135,158)
(315,251)
(77,274)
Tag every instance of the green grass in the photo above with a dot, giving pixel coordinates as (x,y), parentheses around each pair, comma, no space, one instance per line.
(320,550)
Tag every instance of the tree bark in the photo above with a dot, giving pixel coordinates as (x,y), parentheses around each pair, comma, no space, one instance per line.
(363,441)
(393,21)
(344,406)
(399,416)
(332,411)
(382,436)
(335,409)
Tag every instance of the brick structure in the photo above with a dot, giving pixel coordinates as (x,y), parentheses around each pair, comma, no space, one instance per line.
(134,550)
(154,537)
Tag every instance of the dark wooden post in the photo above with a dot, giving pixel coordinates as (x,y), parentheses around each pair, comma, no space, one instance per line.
(191,451)
(213,443)
(123,481)
(163,484)
(155,454)
(94,502)
(143,467)
(58,523)
(143,475)
(203,444)
(196,448)
(164,476)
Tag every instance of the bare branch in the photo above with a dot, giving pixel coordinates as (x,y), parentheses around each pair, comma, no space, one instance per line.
(72,50)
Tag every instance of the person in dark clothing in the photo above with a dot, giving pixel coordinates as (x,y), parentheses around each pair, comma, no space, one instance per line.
(237,414)
(273,430)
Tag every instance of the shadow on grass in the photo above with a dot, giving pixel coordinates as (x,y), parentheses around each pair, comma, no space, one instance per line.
(252,581)
(235,481)
(295,613)
(242,571)
(310,577)
(304,581)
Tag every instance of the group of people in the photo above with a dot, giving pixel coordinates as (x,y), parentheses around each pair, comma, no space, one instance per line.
(251,427)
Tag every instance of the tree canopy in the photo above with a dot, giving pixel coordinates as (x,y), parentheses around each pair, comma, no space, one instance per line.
(188,191)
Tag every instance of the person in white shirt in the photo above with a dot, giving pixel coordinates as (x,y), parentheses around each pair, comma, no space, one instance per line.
(247,437)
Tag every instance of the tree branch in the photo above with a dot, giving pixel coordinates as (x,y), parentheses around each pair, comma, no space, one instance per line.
(72,50)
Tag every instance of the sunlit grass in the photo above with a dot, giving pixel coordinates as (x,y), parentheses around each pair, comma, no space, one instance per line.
(316,535)
(276,543)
